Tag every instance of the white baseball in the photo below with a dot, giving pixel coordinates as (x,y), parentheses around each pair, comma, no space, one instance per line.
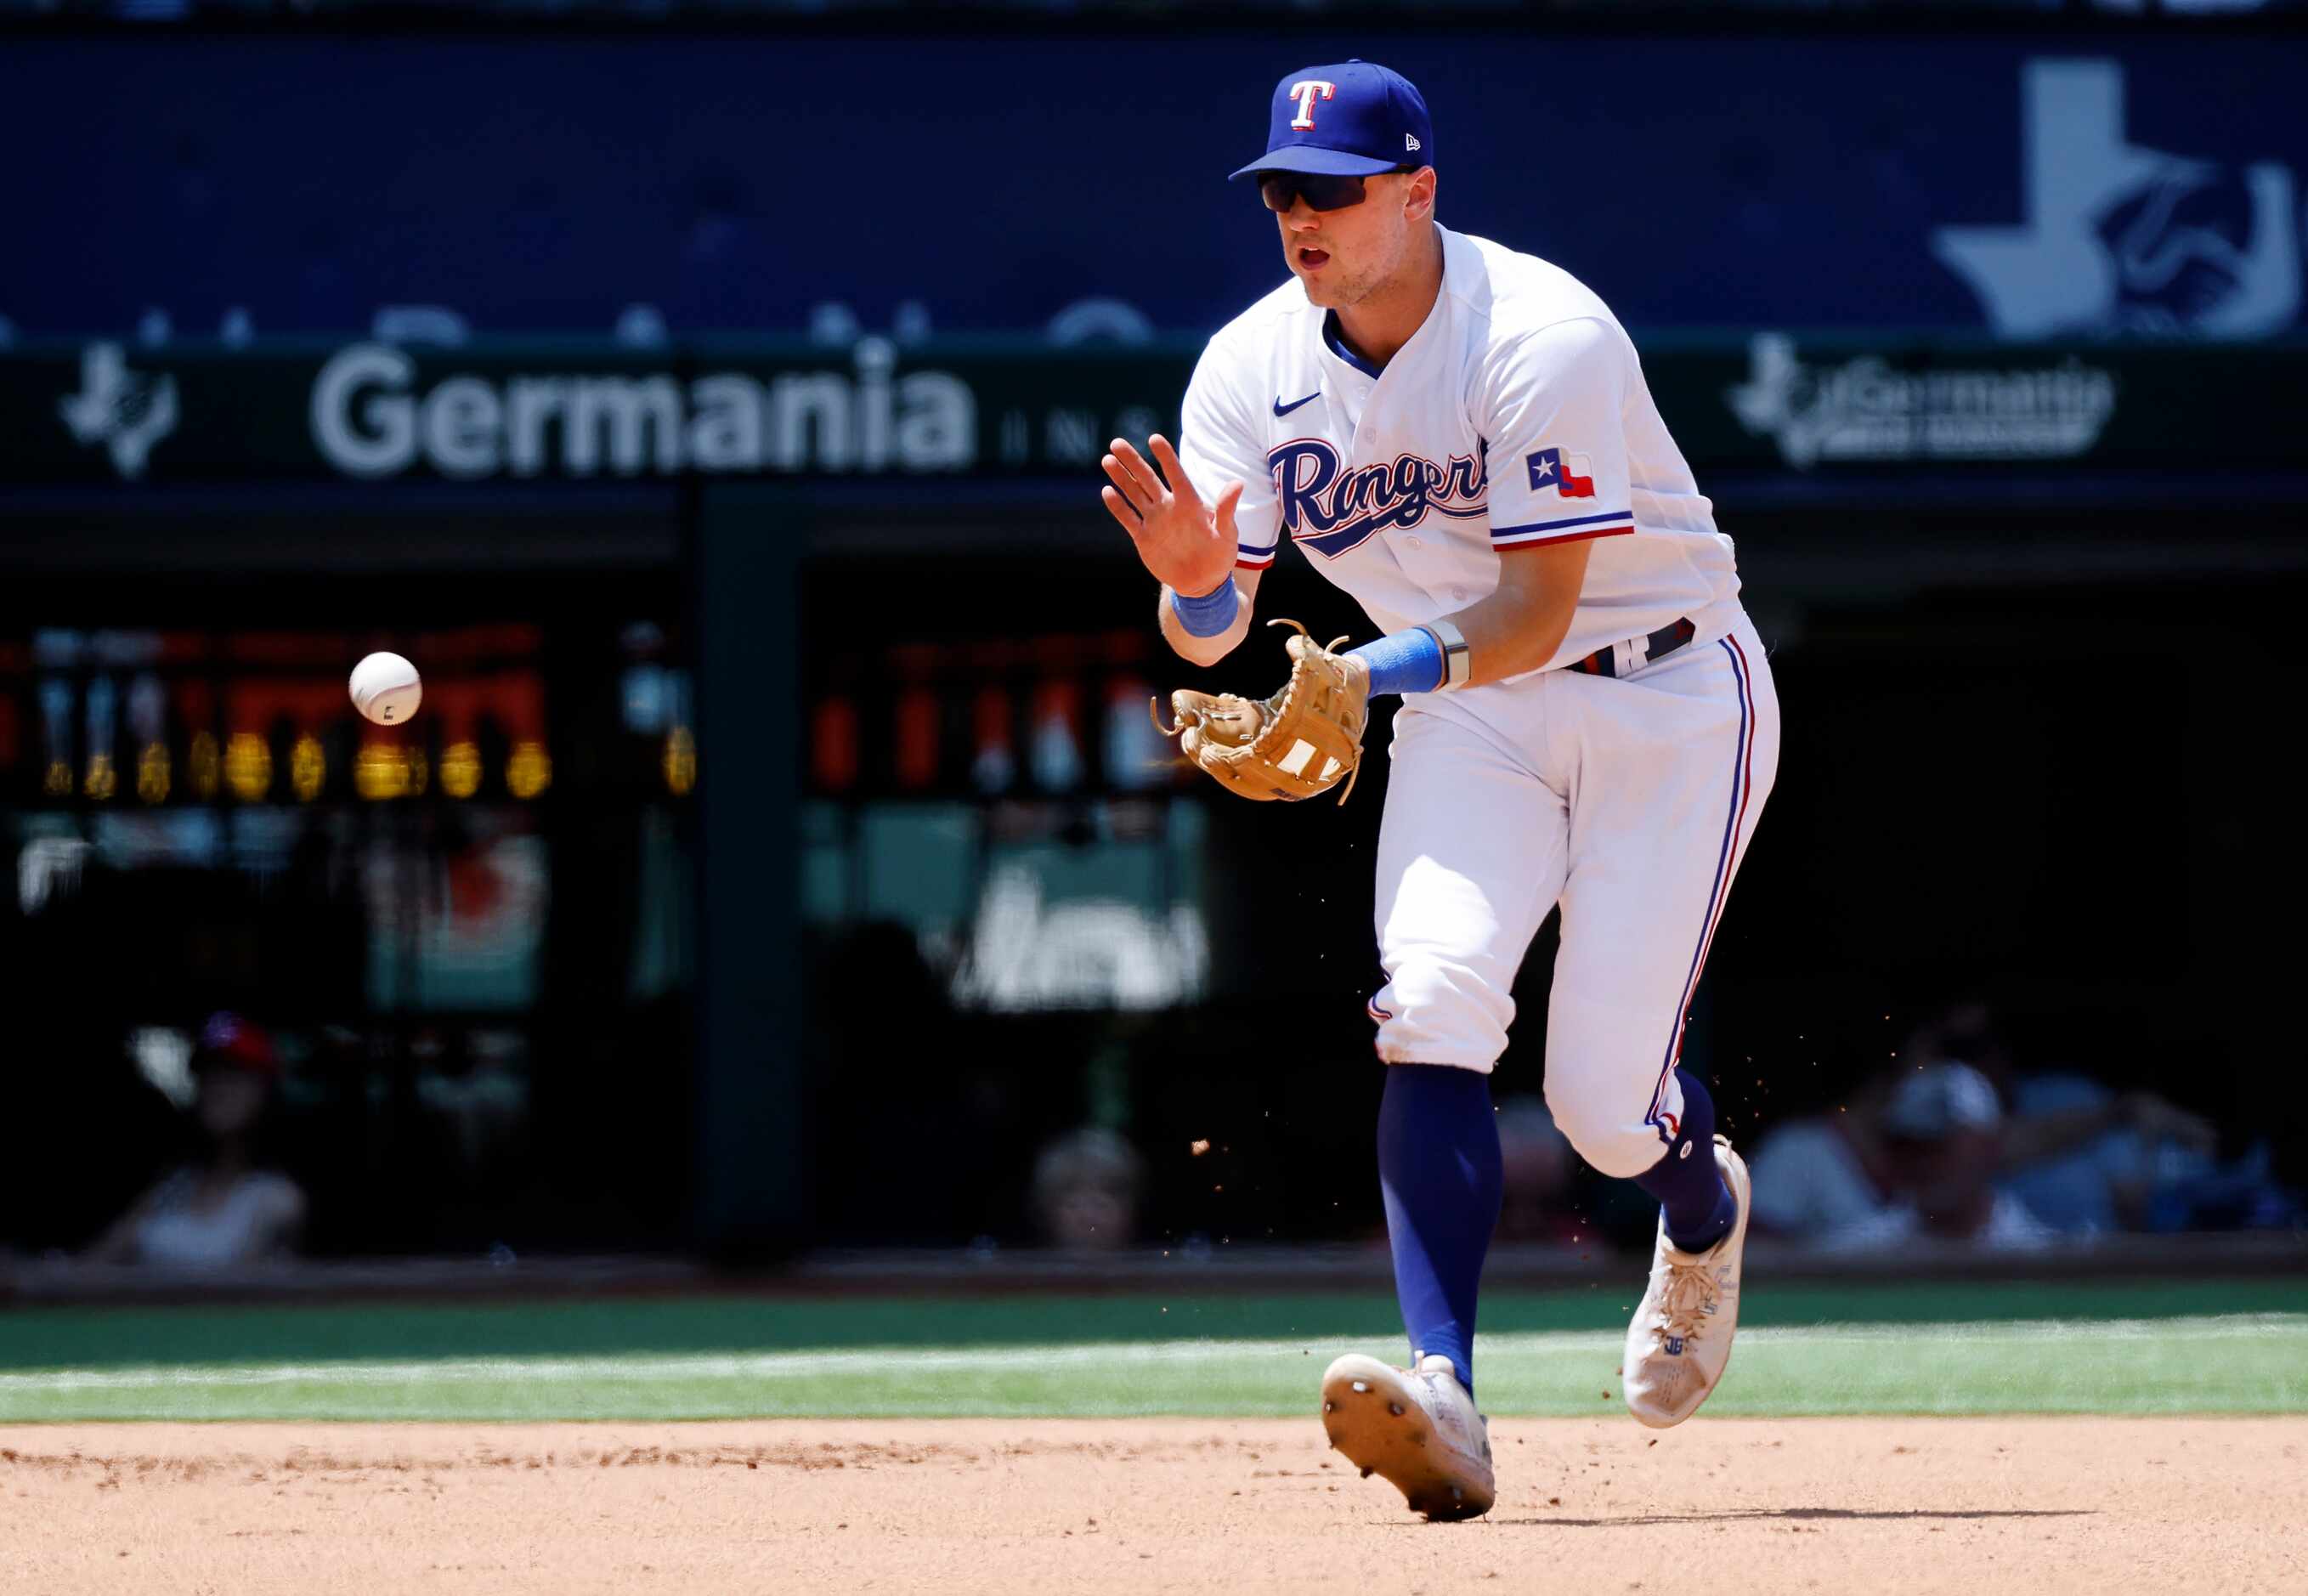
(385,689)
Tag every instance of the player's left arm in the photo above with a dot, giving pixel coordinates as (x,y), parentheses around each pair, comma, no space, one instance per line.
(1548,405)
(1519,624)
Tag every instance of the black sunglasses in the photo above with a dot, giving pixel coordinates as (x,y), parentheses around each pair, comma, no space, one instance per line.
(1322,190)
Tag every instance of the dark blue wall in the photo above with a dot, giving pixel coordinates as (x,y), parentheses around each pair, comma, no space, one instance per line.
(547,183)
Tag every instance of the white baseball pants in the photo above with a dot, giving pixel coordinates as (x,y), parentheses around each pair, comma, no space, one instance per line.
(1627,800)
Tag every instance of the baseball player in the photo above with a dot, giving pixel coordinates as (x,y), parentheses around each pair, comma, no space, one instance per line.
(1460,437)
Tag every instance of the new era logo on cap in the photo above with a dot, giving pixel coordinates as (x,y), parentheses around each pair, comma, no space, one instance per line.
(1355,119)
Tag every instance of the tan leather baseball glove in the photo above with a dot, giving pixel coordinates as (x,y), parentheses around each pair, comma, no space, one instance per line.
(1304,740)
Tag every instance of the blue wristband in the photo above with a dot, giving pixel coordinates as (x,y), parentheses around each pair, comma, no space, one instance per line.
(1408,661)
(1211,614)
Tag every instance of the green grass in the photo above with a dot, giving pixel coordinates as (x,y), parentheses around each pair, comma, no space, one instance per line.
(115,1337)
(1990,1348)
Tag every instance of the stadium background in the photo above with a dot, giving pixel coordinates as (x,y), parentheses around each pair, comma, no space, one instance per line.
(709,402)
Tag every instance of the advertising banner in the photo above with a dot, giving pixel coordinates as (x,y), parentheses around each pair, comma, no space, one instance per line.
(362,411)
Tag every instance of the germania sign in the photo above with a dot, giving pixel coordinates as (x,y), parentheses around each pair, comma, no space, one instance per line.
(372,418)
(1866,409)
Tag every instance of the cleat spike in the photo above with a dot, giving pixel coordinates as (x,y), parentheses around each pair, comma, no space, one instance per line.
(1367,1472)
(1395,1408)
(1361,1384)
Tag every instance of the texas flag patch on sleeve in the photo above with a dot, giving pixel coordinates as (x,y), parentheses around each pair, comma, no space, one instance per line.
(1569,475)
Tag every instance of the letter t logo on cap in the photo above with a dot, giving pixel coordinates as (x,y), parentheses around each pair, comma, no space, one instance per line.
(1304,92)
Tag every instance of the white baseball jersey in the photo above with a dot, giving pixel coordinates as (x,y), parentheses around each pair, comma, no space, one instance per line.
(1515,418)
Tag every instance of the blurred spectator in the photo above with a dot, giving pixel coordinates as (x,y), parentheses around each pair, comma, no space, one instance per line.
(1818,1176)
(1942,1136)
(217,1210)
(1924,1166)
(1539,1168)
(1086,1190)
(2083,1156)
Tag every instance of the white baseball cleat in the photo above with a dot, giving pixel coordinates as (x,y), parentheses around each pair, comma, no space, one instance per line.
(1681,1338)
(1417,1427)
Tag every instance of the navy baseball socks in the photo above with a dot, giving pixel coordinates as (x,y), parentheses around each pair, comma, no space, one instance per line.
(1697,1206)
(1439,1171)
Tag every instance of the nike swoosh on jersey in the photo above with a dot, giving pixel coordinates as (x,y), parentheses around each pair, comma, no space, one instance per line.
(1281,408)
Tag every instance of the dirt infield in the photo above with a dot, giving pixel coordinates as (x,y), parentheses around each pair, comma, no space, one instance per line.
(2008,1506)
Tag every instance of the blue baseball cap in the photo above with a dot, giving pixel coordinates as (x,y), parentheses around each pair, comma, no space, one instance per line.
(1354,119)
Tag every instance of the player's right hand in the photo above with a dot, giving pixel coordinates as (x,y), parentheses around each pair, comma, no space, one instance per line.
(1188,544)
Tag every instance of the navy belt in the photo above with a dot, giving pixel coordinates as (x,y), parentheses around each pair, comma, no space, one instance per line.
(1660,643)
